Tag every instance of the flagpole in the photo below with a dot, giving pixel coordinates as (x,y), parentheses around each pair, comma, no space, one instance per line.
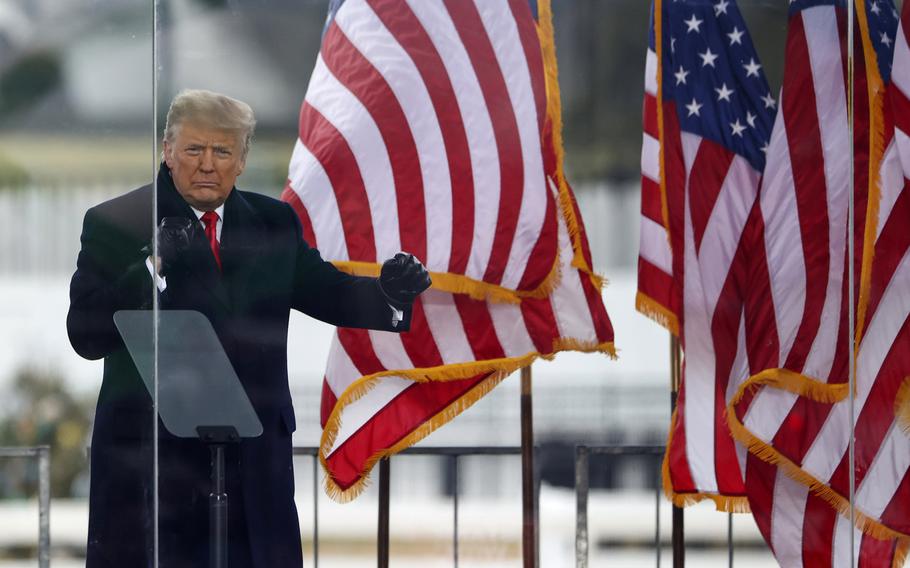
(679,542)
(382,548)
(529,503)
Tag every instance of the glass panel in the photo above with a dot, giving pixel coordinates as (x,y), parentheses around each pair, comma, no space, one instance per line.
(76,134)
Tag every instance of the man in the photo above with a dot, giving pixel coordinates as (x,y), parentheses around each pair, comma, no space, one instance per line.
(240,259)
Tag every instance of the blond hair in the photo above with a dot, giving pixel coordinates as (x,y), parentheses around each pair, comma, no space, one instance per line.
(212,110)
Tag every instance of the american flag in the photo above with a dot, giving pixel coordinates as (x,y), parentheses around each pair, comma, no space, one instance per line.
(794,412)
(707,120)
(433,126)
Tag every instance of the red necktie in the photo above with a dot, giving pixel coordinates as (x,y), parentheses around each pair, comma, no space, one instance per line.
(210,218)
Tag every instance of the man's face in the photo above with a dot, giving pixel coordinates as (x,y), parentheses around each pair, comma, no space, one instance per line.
(204,164)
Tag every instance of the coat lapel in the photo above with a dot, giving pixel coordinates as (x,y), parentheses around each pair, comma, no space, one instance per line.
(201,261)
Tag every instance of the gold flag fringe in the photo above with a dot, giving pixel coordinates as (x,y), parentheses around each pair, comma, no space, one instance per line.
(500,368)
(902,406)
(460,284)
(724,503)
(653,309)
(876,93)
(900,555)
(820,392)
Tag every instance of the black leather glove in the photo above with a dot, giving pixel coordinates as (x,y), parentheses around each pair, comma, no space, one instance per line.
(402,279)
(173,241)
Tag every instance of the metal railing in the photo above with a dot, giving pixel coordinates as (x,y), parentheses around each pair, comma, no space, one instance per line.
(582,469)
(43,453)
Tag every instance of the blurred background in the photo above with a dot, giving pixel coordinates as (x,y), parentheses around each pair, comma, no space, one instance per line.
(80,123)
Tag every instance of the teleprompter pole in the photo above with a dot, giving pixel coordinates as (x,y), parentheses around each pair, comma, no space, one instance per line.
(382,548)
(529,502)
(679,535)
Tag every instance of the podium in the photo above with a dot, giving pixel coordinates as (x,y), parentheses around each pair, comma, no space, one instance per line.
(198,394)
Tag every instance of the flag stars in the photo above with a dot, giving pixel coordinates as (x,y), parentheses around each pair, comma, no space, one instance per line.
(694,108)
(672,44)
(885,39)
(764,148)
(750,118)
(737,128)
(875,9)
(752,67)
(721,7)
(723,93)
(681,76)
(769,101)
(736,36)
(707,58)
(693,24)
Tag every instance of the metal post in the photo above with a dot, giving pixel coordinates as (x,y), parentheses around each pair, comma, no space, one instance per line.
(455,508)
(218,511)
(679,543)
(581,506)
(316,511)
(657,515)
(44,506)
(730,539)
(383,544)
(529,504)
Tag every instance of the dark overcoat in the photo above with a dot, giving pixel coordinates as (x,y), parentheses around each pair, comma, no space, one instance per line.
(267,269)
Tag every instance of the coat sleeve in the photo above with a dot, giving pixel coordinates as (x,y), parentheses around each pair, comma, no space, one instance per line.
(107,279)
(335,297)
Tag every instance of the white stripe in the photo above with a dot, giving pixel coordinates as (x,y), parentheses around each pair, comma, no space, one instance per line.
(654,246)
(650,157)
(891,185)
(310,182)
(700,364)
(570,308)
(346,113)
(362,410)
(446,327)
(832,441)
(738,374)
(831,106)
(509,325)
(724,228)
(900,71)
(840,546)
(503,33)
(478,127)
(767,412)
(651,73)
(787,513)
(371,38)
(903,147)
(390,350)
(340,370)
(783,241)
(885,474)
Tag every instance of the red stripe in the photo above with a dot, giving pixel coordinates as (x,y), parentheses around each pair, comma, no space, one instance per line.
(410,34)
(419,343)
(677,458)
(290,196)
(656,284)
(760,480)
(892,244)
(709,170)
(806,157)
(725,324)
(905,22)
(527,31)
(819,522)
(544,255)
(505,129)
(649,117)
(478,327)
(900,107)
(328,145)
(896,513)
(874,553)
(327,403)
(602,326)
(540,322)
(359,347)
(356,73)
(675,173)
(397,419)
(651,206)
